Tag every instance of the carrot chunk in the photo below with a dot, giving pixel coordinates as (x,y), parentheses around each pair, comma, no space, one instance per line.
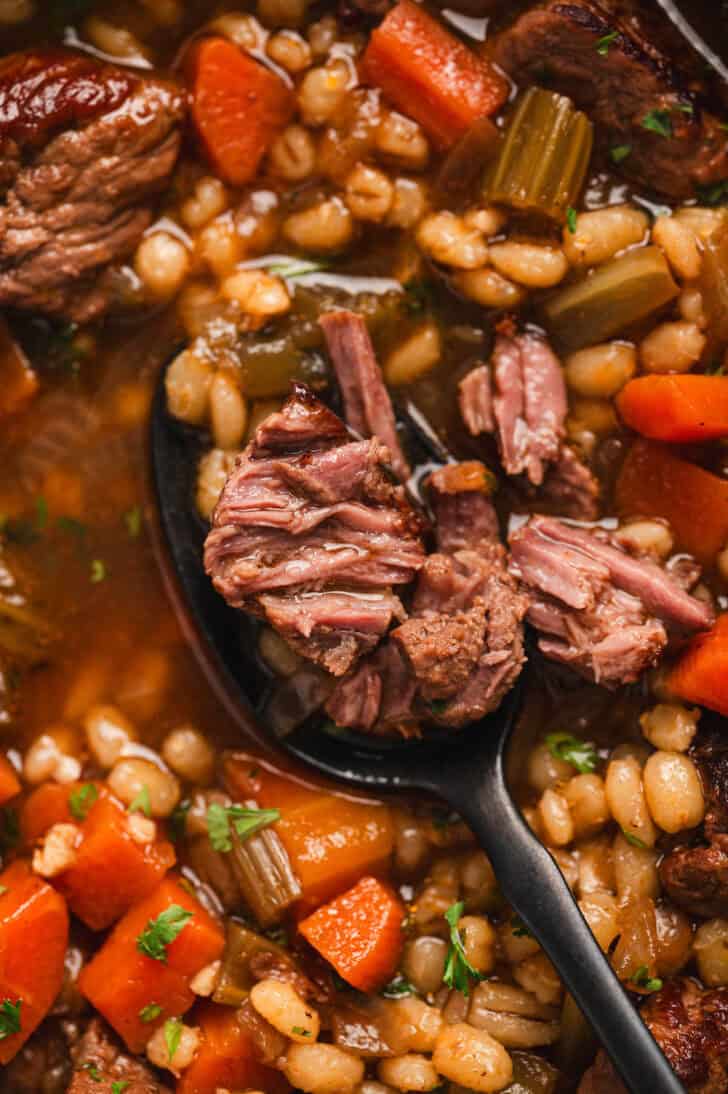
(225,1059)
(9,781)
(45,806)
(429,75)
(676,408)
(238,107)
(122,982)
(359,933)
(33,940)
(701,674)
(654,482)
(331,841)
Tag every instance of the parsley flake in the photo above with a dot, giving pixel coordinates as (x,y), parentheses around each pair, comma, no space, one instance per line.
(580,754)
(119,1086)
(222,820)
(571,219)
(81,800)
(9,1018)
(98,571)
(159,932)
(642,979)
(458,970)
(397,988)
(150,1012)
(619,153)
(133,521)
(300,1031)
(141,803)
(634,840)
(172,1036)
(93,1071)
(605,42)
(658,121)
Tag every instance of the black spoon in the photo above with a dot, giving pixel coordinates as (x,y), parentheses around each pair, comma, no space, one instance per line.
(466,770)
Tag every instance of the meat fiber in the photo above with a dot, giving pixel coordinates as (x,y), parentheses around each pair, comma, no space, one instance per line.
(100,1062)
(367,406)
(311,534)
(84,146)
(632,93)
(604,613)
(461,649)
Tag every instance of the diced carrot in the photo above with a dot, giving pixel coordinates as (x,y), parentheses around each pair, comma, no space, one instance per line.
(359,933)
(47,805)
(33,940)
(225,1059)
(701,674)
(238,107)
(676,408)
(18,382)
(654,482)
(428,74)
(9,781)
(331,840)
(120,981)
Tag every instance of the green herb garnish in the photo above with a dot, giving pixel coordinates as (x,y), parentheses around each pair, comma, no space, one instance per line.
(458,970)
(619,153)
(9,1018)
(658,121)
(141,803)
(397,988)
(119,1086)
(98,571)
(605,42)
(93,1071)
(642,979)
(163,930)
(150,1012)
(580,754)
(300,1031)
(571,219)
(289,271)
(172,1036)
(177,823)
(634,840)
(81,800)
(223,819)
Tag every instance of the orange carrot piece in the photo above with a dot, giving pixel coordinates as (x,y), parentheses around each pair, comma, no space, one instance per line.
(654,482)
(18,381)
(331,840)
(33,940)
(120,981)
(238,107)
(9,781)
(46,806)
(359,933)
(225,1058)
(676,408)
(701,674)
(428,74)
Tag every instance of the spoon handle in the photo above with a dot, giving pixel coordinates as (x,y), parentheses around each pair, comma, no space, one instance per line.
(533,884)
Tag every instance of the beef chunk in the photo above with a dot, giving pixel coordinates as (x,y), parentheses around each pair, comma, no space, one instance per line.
(461,649)
(99,1061)
(85,146)
(42,1066)
(606,614)
(367,406)
(555,45)
(569,489)
(310,534)
(696,876)
(690,1025)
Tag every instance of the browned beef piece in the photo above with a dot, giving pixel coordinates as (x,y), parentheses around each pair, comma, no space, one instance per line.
(569,489)
(461,649)
(555,45)
(690,1024)
(367,406)
(606,614)
(100,1061)
(84,147)
(696,875)
(42,1066)
(311,534)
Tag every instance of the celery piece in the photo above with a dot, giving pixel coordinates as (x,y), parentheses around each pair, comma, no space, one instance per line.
(610,299)
(714,283)
(544,156)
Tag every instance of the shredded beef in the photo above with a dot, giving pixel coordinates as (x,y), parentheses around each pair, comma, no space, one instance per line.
(555,45)
(85,146)
(604,613)
(311,534)
(99,1061)
(367,406)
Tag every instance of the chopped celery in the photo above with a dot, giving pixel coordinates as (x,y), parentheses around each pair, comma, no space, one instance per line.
(235,979)
(612,298)
(544,156)
(714,283)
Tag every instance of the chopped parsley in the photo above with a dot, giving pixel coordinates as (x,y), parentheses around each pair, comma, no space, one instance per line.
(580,754)
(619,153)
(133,521)
(571,219)
(9,1018)
(81,800)
(458,970)
(223,819)
(119,1086)
(163,930)
(93,1071)
(658,121)
(150,1012)
(300,1031)
(519,928)
(605,42)
(141,803)
(642,979)
(98,571)
(397,988)
(634,840)
(172,1035)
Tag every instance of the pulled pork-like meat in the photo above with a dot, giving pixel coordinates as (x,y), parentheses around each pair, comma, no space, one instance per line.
(84,148)
(100,1062)
(690,1024)
(620,87)
(696,876)
(521,399)
(604,613)
(311,534)
(461,649)
(367,406)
